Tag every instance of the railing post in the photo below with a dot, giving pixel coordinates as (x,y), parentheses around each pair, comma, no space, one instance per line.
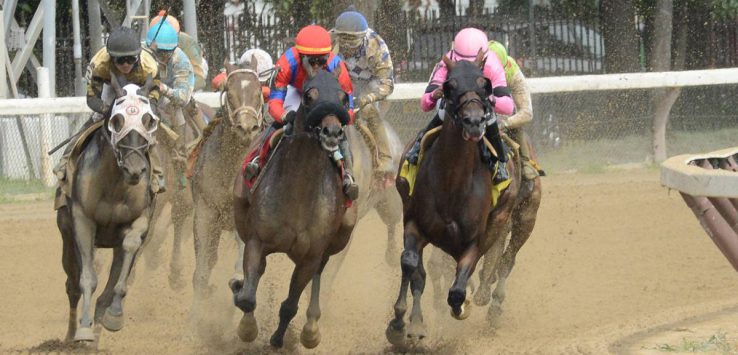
(44,92)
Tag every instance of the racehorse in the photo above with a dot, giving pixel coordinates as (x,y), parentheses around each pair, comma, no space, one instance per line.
(450,206)
(218,162)
(519,224)
(297,206)
(109,206)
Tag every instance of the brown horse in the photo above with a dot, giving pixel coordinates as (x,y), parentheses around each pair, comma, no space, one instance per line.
(298,207)
(450,205)
(218,162)
(520,223)
(110,206)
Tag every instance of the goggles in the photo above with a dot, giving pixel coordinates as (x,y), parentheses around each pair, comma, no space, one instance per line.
(129,59)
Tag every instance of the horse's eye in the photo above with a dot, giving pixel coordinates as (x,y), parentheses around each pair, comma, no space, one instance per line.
(116,123)
(149,122)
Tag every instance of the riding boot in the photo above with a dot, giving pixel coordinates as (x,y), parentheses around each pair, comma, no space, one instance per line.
(376,126)
(493,136)
(412,154)
(350,188)
(252,167)
(529,171)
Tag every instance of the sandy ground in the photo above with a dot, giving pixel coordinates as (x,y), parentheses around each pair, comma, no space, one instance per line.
(616,263)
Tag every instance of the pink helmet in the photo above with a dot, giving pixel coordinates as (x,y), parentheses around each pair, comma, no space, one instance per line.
(468,42)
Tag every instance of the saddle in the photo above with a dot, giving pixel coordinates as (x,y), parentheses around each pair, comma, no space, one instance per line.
(263,151)
(409,171)
(65,185)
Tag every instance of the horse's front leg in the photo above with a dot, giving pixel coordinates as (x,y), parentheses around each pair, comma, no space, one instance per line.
(84,237)
(303,273)
(244,291)
(310,336)
(133,237)
(457,295)
(396,331)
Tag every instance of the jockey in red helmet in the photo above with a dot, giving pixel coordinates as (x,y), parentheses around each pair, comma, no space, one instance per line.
(312,49)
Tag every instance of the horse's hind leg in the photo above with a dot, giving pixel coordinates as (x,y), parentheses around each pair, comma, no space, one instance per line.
(71,267)
(310,336)
(244,291)
(440,268)
(524,219)
(302,274)
(132,240)
(488,272)
(84,238)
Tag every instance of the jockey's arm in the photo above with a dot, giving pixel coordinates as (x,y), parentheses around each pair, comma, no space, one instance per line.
(427,101)
(382,70)
(180,92)
(279,89)
(523,105)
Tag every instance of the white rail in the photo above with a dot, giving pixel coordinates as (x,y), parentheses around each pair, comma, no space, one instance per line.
(408,91)
(678,174)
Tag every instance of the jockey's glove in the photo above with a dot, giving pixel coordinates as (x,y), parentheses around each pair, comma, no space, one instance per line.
(288,117)
(154,106)
(364,100)
(96,104)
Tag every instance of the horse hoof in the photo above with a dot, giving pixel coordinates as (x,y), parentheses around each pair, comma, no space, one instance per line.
(310,336)
(112,322)
(416,332)
(395,336)
(463,311)
(276,341)
(84,334)
(494,312)
(482,296)
(247,328)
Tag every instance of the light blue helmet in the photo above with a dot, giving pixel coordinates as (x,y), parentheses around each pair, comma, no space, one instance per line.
(351,22)
(166,38)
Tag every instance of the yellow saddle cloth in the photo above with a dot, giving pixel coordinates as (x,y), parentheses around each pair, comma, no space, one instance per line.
(409,171)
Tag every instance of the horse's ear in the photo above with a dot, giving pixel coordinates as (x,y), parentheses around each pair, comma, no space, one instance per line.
(448,87)
(116,85)
(229,67)
(254,64)
(486,85)
(448,62)
(308,69)
(479,61)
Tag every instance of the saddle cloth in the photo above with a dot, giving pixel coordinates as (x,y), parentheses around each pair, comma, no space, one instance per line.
(195,152)
(65,185)
(409,171)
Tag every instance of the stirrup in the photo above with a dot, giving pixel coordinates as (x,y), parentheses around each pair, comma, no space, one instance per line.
(350,188)
(161,185)
(413,153)
(252,168)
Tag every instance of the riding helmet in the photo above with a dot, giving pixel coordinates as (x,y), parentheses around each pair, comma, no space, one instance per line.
(162,36)
(313,40)
(170,20)
(123,42)
(468,42)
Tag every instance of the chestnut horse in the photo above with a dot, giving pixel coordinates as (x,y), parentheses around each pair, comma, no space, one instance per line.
(297,206)
(450,206)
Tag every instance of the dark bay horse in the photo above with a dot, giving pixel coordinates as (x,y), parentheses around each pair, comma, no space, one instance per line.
(450,205)
(218,163)
(109,206)
(298,207)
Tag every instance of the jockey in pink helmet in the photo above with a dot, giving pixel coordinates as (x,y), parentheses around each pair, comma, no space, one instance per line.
(467,44)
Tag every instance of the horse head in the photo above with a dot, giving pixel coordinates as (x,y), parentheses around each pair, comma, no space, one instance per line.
(243,99)
(131,128)
(324,108)
(465,91)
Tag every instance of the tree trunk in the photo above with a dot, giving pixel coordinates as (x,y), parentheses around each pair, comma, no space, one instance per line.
(391,24)
(476,8)
(301,13)
(620,36)
(663,99)
(447,9)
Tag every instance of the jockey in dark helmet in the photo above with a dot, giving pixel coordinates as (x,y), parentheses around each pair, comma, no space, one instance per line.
(122,56)
(370,66)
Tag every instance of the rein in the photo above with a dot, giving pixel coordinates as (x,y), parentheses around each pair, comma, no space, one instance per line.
(489,116)
(119,157)
(230,112)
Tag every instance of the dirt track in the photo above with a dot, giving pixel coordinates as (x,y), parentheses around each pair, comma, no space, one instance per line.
(614,260)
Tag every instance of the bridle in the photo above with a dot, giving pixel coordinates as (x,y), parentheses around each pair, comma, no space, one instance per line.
(257,114)
(489,114)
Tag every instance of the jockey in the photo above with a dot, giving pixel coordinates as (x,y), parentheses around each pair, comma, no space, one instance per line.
(467,43)
(523,108)
(123,56)
(177,81)
(370,67)
(312,48)
(199,66)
